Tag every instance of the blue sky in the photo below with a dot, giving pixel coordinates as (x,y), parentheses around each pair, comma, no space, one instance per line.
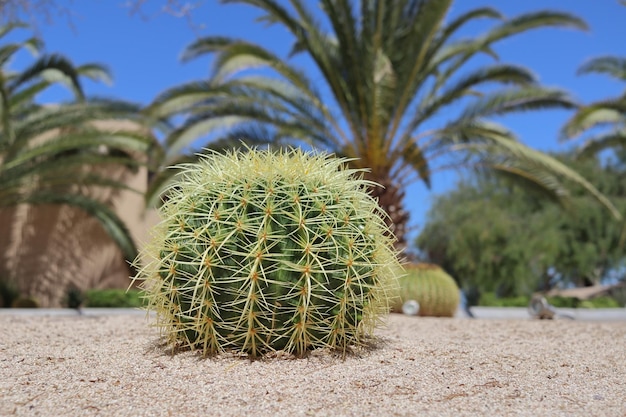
(143,53)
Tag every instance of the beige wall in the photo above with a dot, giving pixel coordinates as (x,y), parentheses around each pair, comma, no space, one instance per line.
(47,249)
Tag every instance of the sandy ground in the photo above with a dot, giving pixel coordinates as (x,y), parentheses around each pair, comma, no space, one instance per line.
(114,366)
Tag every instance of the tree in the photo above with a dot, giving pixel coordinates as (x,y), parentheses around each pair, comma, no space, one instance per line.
(56,154)
(35,10)
(491,235)
(480,234)
(387,70)
(608,116)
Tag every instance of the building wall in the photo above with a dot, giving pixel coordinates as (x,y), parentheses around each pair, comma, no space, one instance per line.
(45,250)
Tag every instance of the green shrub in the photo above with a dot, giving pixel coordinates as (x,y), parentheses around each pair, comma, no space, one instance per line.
(490,299)
(113,298)
(572,302)
(261,251)
(435,291)
(600,302)
(563,302)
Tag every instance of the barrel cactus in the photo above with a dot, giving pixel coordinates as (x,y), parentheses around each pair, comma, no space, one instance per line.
(262,250)
(429,285)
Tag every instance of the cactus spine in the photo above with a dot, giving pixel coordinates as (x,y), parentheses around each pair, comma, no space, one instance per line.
(260,251)
(436,292)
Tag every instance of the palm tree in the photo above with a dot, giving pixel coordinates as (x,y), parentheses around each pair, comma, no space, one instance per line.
(609,114)
(63,154)
(388,72)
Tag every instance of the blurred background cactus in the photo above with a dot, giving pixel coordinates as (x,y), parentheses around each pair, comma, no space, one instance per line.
(261,251)
(435,291)
(25,303)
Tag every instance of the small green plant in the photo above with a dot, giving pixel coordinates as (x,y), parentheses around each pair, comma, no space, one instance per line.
(563,302)
(600,302)
(429,285)
(113,298)
(490,299)
(261,251)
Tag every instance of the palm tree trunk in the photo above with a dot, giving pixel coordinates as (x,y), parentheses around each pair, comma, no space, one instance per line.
(391,199)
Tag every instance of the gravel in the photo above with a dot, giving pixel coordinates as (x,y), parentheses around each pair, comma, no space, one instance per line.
(116,365)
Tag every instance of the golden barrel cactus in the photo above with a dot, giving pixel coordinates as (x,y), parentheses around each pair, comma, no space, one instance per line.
(436,292)
(261,251)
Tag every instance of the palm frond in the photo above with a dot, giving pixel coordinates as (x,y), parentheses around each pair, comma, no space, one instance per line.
(184,97)
(461,20)
(506,74)
(88,157)
(594,115)
(96,72)
(458,50)
(184,136)
(244,55)
(52,67)
(275,13)
(9,50)
(530,178)
(611,65)
(444,48)
(26,95)
(424,27)
(535,20)
(205,45)
(610,113)
(130,141)
(515,100)
(164,178)
(34,45)
(488,141)
(8,27)
(5,112)
(596,144)
(47,118)
(502,73)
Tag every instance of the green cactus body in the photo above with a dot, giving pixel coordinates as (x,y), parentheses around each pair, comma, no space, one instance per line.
(436,292)
(260,251)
